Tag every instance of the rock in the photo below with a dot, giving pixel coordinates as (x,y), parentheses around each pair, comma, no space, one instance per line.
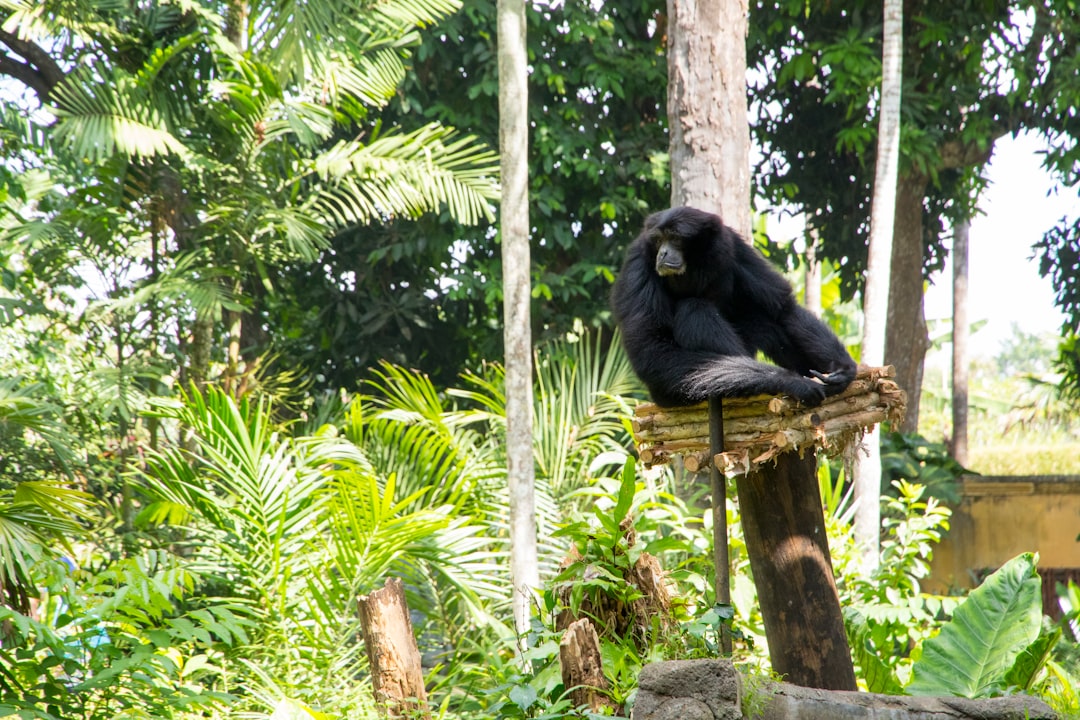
(688,690)
(712,690)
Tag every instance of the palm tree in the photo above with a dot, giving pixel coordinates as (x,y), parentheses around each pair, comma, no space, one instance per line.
(224,149)
(297,526)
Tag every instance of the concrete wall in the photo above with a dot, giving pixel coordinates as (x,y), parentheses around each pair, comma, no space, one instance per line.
(1000,517)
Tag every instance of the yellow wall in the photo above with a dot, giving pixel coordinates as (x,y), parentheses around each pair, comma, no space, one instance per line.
(1000,517)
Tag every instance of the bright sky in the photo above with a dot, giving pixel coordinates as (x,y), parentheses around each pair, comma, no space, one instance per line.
(1004,285)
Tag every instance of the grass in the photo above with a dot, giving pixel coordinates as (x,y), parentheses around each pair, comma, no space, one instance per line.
(1026,459)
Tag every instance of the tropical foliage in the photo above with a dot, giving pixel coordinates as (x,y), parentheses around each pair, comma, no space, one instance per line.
(249,289)
(191,159)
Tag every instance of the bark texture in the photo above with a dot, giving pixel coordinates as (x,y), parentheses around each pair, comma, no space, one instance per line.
(710,158)
(392,653)
(582,674)
(877,316)
(517,333)
(710,136)
(959,444)
(907,340)
(785,535)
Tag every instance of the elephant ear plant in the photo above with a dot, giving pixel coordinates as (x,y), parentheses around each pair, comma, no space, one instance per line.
(994,643)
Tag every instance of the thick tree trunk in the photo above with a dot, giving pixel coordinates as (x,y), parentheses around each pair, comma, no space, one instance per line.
(789,556)
(959,444)
(710,135)
(907,340)
(710,164)
(199,347)
(517,335)
(236,16)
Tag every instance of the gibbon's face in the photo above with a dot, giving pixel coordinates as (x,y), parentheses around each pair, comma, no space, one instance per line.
(670,257)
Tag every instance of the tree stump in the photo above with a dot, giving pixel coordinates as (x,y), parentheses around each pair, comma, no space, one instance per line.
(392,652)
(580,662)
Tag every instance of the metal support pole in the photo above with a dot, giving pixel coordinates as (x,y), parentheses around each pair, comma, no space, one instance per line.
(719,510)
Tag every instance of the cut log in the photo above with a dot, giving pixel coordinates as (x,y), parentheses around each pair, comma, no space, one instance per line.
(582,671)
(392,652)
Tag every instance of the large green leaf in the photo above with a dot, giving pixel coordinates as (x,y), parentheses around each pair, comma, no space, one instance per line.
(974,650)
(1029,663)
(878,676)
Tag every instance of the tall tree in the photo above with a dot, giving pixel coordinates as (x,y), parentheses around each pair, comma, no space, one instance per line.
(208,170)
(428,293)
(517,295)
(960,331)
(876,304)
(710,169)
(707,112)
(971,74)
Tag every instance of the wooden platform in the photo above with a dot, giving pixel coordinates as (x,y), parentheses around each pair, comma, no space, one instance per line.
(758,429)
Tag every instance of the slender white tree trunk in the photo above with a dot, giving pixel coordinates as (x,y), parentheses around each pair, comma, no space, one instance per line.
(517,335)
(960,343)
(812,276)
(710,136)
(876,292)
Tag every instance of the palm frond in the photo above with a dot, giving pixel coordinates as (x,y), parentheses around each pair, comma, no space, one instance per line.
(99,117)
(250,482)
(191,280)
(406,174)
(372,78)
(35,517)
(298,36)
(577,415)
(22,405)
(410,13)
(409,433)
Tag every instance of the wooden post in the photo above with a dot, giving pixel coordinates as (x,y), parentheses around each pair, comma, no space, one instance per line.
(392,652)
(719,510)
(784,528)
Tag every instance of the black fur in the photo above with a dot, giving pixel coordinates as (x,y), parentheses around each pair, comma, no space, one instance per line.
(695,333)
